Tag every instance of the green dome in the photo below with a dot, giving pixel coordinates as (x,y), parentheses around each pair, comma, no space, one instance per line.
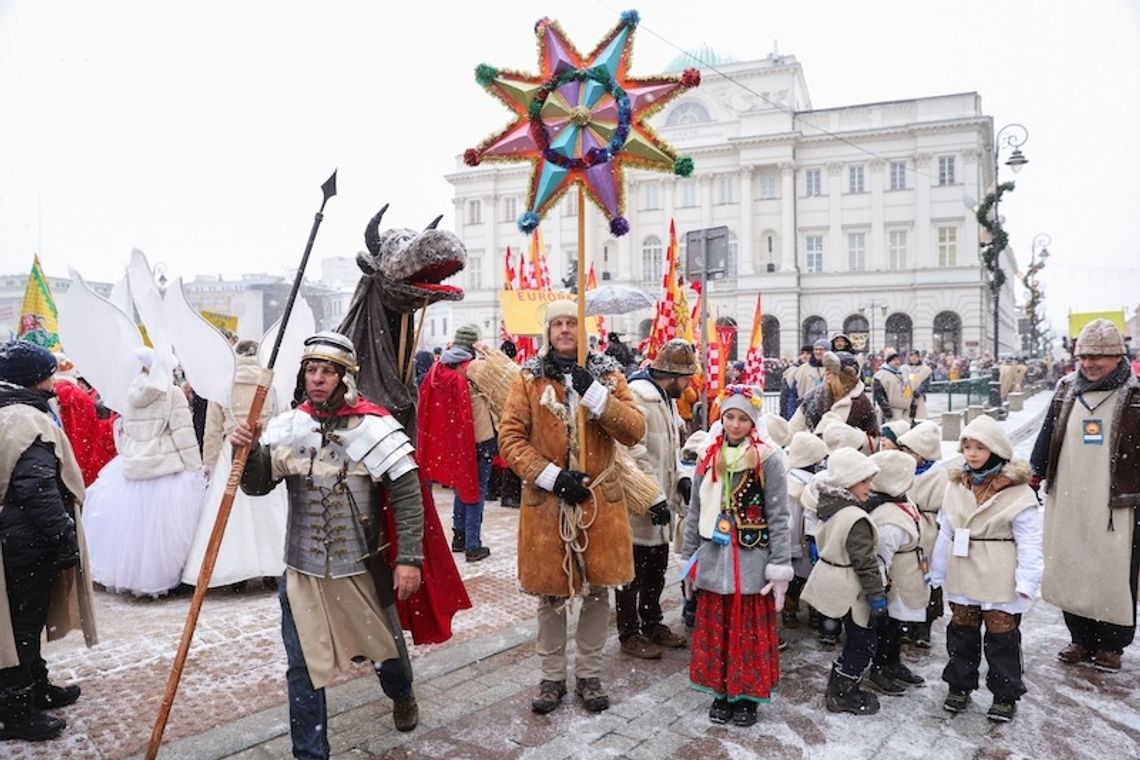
(700,58)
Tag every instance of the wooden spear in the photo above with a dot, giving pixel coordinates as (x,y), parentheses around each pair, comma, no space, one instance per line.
(239,459)
(583,346)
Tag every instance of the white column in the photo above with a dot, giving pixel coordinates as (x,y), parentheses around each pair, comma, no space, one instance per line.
(874,253)
(745,263)
(922,210)
(834,246)
(706,200)
(492,249)
(788,232)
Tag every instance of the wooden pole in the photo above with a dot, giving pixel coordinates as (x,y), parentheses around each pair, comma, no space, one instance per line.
(402,351)
(415,342)
(583,346)
(237,466)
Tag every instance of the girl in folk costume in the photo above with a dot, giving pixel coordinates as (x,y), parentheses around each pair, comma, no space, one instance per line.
(923,443)
(846,582)
(904,562)
(988,554)
(737,530)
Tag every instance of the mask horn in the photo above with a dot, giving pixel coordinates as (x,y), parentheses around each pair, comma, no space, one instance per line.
(372,231)
(434,223)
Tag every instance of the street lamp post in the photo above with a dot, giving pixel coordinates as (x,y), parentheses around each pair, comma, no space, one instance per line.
(1010,136)
(868,307)
(1039,251)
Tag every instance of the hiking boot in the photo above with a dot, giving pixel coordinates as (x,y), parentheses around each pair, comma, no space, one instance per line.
(21,719)
(1073,654)
(844,695)
(881,681)
(904,675)
(781,644)
(956,701)
(1001,712)
(744,713)
(720,711)
(589,690)
(47,696)
(478,555)
(458,542)
(661,635)
(639,646)
(550,695)
(828,631)
(1106,661)
(405,713)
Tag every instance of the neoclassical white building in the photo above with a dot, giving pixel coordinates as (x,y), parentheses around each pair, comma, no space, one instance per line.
(848,219)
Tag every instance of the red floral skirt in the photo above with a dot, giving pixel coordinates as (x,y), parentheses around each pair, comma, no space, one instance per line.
(736,654)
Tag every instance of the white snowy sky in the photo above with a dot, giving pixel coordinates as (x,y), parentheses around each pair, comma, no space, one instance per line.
(201,131)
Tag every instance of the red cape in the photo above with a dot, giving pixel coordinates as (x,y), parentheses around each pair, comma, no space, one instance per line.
(92,442)
(445,431)
(427,613)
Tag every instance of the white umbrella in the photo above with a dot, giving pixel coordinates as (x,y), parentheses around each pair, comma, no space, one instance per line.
(617,299)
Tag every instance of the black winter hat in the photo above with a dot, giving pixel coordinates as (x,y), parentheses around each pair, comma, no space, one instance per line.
(23,363)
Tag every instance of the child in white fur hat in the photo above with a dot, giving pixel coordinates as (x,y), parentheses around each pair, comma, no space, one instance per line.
(803,457)
(923,443)
(988,557)
(904,564)
(738,522)
(846,582)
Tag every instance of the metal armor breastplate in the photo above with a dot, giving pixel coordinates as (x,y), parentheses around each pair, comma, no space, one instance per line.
(331,513)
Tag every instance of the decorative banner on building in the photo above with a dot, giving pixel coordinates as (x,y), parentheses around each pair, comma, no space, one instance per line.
(38,315)
(523,310)
(580,120)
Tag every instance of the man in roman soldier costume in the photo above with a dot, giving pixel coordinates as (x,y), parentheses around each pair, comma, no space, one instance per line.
(355,497)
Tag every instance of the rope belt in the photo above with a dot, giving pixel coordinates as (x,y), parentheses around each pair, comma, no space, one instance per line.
(826,561)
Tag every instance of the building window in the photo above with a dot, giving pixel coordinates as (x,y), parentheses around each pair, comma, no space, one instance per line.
(771,327)
(474,269)
(812,182)
(898,175)
(899,332)
(570,205)
(474,212)
(510,209)
(947,335)
(947,246)
(946,170)
(855,179)
(725,189)
(897,249)
(652,259)
(687,113)
(813,246)
(814,328)
(688,193)
(769,186)
(856,251)
(649,198)
(733,250)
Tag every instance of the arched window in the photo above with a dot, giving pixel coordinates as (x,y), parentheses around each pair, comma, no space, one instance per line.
(687,113)
(947,333)
(856,328)
(652,259)
(814,328)
(899,332)
(771,327)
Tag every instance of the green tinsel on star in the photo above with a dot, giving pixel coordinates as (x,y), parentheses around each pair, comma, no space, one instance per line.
(683,166)
(485,74)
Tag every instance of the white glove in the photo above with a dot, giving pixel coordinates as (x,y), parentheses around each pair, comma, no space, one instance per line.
(778,589)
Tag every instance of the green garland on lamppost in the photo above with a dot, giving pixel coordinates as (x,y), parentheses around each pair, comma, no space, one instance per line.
(991,250)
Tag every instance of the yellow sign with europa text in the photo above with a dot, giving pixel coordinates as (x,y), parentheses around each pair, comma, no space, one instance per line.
(524,310)
(1078,319)
(221,321)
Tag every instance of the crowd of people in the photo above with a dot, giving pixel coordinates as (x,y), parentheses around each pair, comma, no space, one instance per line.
(840,513)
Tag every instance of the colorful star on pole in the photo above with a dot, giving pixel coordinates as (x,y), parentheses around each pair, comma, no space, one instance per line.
(581,120)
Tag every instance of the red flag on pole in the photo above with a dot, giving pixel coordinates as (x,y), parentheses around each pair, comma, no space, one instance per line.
(599,321)
(509,275)
(754,361)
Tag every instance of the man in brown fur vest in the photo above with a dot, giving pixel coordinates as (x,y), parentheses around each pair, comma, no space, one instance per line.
(574,535)
(1087,454)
